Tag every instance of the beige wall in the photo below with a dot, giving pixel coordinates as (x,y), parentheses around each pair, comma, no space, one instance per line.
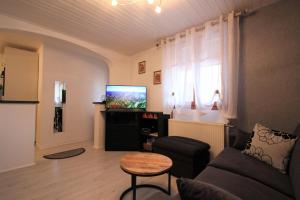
(119,66)
(39,110)
(1,66)
(21,74)
(85,76)
(1,69)
(78,63)
(153,63)
(120,71)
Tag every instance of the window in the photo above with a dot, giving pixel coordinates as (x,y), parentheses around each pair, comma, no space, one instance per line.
(192,69)
(199,62)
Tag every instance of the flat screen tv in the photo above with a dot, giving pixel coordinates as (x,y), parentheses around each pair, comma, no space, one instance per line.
(126,97)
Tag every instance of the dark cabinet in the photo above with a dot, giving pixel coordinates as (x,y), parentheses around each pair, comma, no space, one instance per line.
(128,130)
(153,125)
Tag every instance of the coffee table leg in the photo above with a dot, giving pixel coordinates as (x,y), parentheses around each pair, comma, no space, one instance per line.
(169,183)
(133,185)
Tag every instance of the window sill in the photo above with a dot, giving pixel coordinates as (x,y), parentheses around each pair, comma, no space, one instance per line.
(194,116)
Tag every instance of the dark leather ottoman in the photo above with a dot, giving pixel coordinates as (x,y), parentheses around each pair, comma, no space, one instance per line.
(189,156)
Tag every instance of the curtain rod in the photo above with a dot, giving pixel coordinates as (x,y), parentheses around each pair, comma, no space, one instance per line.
(213,22)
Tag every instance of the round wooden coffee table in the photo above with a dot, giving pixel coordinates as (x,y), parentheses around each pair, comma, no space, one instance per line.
(145,164)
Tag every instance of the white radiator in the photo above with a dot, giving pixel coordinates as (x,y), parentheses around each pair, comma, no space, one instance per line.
(211,133)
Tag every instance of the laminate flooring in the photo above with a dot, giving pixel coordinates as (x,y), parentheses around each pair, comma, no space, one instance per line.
(96,174)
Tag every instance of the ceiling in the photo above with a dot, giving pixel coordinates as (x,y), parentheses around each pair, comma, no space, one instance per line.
(125,29)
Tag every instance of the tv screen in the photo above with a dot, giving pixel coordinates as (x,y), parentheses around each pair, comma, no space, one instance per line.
(126,97)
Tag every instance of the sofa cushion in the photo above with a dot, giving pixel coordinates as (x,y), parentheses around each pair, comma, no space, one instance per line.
(241,186)
(241,139)
(195,190)
(234,161)
(294,166)
(181,145)
(271,146)
(297,131)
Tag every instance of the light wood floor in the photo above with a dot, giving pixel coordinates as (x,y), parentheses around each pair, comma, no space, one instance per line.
(96,174)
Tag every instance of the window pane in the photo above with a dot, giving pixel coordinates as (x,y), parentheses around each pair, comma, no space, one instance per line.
(207,82)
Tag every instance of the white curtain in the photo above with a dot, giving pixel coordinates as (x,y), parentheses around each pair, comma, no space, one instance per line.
(207,72)
(202,60)
(230,33)
(177,73)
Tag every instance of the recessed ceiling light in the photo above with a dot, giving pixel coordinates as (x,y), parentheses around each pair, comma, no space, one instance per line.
(129,2)
(150,1)
(114,2)
(158,9)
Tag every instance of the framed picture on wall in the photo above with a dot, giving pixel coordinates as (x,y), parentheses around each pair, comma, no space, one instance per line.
(157,77)
(142,67)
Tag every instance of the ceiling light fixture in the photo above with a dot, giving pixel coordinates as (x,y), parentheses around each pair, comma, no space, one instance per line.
(158,9)
(128,2)
(114,2)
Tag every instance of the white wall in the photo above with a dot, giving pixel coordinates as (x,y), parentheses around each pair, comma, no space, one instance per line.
(153,63)
(17,128)
(85,76)
(120,72)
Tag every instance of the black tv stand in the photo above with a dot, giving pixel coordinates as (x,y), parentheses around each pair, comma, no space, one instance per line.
(125,110)
(129,130)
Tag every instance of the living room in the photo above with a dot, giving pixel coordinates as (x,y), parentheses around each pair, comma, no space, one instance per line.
(79,47)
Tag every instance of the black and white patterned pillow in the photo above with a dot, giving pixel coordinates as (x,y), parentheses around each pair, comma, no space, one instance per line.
(270,146)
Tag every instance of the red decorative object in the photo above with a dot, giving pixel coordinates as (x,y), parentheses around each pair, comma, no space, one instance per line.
(193,105)
(215,106)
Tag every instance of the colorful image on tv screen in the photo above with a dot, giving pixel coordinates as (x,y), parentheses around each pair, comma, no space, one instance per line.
(128,97)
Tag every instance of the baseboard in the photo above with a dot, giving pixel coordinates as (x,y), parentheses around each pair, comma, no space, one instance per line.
(81,140)
(14,168)
(98,147)
(63,147)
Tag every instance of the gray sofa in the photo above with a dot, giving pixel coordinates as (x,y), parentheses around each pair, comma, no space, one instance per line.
(248,178)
